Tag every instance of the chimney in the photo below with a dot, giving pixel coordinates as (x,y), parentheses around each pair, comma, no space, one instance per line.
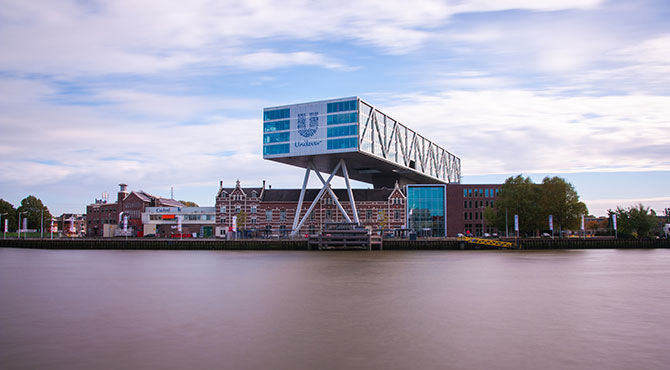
(220,184)
(269,186)
(123,192)
(263,184)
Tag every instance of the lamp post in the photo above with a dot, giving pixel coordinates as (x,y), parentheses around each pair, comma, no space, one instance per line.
(4,234)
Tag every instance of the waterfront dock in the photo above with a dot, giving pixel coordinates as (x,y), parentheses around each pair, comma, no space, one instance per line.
(302,244)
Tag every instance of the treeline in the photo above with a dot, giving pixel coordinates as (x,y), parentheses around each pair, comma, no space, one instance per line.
(533,203)
(31,208)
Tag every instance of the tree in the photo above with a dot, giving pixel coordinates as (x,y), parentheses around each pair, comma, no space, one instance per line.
(518,196)
(34,210)
(241,220)
(560,200)
(8,208)
(534,203)
(638,221)
(188,203)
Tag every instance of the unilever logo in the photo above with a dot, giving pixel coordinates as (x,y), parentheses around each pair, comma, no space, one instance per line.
(303,129)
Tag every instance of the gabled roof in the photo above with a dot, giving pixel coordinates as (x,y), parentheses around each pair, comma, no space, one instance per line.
(246,191)
(360,195)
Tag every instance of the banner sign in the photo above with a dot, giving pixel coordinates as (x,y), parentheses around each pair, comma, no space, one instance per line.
(179,223)
(516,222)
(614,221)
(5,225)
(125,223)
(551,222)
(234,223)
(582,226)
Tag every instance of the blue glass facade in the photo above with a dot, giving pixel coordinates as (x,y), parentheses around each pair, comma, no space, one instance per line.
(276,114)
(426,209)
(342,106)
(350,142)
(276,149)
(276,126)
(335,119)
(336,131)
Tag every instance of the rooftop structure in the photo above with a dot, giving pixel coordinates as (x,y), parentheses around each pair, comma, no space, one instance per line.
(377,148)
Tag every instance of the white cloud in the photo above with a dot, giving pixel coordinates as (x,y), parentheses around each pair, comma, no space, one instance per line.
(513,131)
(73,37)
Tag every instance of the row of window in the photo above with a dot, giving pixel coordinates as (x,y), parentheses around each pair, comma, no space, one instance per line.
(477,204)
(276,149)
(329,214)
(276,126)
(488,193)
(350,142)
(276,138)
(469,215)
(342,106)
(342,131)
(335,119)
(270,115)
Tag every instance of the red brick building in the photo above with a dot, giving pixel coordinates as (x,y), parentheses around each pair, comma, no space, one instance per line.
(466,205)
(132,204)
(271,211)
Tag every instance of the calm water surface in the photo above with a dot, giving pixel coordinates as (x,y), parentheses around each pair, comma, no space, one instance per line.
(600,309)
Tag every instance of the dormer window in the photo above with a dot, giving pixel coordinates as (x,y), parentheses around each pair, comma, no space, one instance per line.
(254,194)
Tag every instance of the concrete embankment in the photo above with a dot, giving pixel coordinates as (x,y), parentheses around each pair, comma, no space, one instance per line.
(282,244)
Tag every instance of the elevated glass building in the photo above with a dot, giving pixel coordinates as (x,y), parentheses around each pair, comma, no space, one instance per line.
(426,209)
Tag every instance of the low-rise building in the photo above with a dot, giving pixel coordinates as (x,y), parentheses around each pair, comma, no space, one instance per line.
(105,219)
(166,221)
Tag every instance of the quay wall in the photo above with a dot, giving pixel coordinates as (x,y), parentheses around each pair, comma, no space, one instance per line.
(301,244)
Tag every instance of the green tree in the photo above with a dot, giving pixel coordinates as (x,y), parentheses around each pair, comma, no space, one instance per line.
(241,220)
(8,208)
(559,199)
(188,203)
(34,210)
(518,196)
(534,203)
(636,222)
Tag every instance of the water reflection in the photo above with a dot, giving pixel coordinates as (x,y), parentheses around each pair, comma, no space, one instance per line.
(339,310)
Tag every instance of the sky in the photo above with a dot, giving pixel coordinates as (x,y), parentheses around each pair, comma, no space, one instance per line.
(167,94)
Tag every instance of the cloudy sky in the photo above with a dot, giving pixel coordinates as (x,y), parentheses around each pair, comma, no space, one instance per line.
(161,94)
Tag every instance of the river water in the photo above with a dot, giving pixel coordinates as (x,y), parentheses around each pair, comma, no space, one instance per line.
(586,309)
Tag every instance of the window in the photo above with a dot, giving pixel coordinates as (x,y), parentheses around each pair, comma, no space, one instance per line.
(465,193)
(486,193)
(276,126)
(342,131)
(268,215)
(396,214)
(253,209)
(329,214)
(342,106)
(368,214)
(282,215)
(465,204)
(491,204)
(237,209)
(270,115)
(253,220)
(254,194)
(223,209)
(276,149)
(276,138)
(335,119)
(470,202)
(465,215)
(351,142)
(469,192)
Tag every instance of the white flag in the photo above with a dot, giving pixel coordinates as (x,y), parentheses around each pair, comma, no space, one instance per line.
(614,221)
(516,222)
(582,223)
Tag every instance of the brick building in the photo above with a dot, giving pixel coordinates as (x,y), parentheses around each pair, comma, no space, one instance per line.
(103,218)
(270,212)
(466,205)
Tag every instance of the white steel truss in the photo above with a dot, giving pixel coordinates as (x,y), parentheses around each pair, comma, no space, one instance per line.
(298,222)
(382,136)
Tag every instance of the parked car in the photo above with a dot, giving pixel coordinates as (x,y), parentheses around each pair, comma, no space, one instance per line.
(487,235)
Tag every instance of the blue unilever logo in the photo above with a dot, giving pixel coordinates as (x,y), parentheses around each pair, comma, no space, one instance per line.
(303,129)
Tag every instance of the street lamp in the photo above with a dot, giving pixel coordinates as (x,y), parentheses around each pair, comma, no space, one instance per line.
(4,234)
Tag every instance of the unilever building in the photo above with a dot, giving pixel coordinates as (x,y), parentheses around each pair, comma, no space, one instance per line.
(351,138)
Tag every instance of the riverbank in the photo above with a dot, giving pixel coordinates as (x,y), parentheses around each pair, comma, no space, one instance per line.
(301,244)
